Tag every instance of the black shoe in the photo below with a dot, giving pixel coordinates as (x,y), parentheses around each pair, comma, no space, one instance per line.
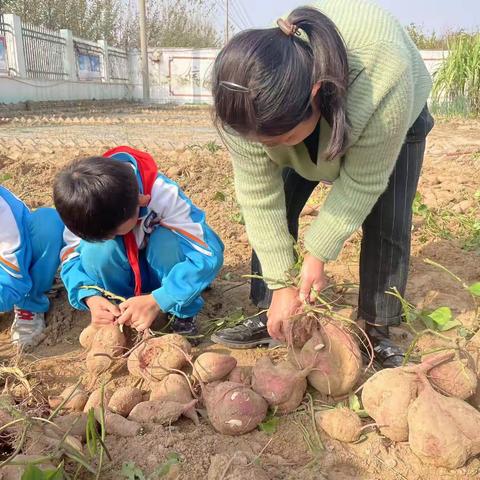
(251,333)
(387,353)
(184,326)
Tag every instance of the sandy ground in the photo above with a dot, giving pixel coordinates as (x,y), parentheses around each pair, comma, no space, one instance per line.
(35,143)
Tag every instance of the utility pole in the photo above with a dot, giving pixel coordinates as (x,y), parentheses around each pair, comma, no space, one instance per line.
(143,50)
(227,20)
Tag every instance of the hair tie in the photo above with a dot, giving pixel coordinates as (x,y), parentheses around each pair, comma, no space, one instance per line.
(287,28)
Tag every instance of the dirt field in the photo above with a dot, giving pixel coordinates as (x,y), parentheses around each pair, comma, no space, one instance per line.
(35,143)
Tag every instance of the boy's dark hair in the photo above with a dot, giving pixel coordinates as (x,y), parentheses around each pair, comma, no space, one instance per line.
(278,73)
(95,195)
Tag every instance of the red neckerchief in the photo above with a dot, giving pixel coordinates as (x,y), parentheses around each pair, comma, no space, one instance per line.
(148,173)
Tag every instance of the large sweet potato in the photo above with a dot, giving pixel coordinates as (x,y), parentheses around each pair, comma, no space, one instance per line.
(335,359)
(174,387)
(282,385)
(233,408)
(443,431)
(158,356)
(387,395)
(212,366)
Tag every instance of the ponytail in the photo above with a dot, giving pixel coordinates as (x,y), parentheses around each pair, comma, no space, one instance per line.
(330,68)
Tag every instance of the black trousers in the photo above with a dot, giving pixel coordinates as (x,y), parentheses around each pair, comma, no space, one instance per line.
(385,248)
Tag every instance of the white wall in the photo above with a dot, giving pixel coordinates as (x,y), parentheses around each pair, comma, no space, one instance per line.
(177,75)
(433,59)
(13,90)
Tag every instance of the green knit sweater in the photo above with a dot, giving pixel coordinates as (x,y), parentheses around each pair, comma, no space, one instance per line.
(389,88)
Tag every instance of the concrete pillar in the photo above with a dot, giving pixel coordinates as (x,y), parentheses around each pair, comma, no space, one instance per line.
(69,58)
(15,45)
(106,67)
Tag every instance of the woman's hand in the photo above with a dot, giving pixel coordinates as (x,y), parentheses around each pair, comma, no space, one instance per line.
(139,312)
(285,304)
(312,277)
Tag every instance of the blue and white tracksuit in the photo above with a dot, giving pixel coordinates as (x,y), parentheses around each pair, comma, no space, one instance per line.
(179,254)
(30,244)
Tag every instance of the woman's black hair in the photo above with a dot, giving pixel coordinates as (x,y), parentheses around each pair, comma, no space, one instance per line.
(95,195)
(270,75)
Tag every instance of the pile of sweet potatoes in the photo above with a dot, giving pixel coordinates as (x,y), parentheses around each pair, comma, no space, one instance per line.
(426,405)
(235,399)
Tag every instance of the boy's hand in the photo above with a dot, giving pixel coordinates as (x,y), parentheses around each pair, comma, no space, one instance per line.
(139,312)
(103,311)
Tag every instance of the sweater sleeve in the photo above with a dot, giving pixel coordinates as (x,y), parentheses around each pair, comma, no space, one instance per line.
(260,193)
(364,173)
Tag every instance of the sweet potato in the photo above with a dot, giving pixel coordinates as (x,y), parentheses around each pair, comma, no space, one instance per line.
(454,379)
(97,360)
(241,374)
(94,400)
(212,366)
(77,419)
(282,385)
(155,359)
(174,387)
(336,367)
(301,329)
(473,349)
(117,425)
(161,412)
(87,335)
(340,423)
(76,401)
(387,395)
(233,408)
(110,337)
(443,431)
(124,399)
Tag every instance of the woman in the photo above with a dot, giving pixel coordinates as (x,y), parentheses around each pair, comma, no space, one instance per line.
(334,94)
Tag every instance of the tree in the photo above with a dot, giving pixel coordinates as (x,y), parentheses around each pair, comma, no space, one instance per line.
(174,23)
(170,23)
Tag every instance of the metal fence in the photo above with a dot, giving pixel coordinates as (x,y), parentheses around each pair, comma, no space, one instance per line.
(90,61)
(7,65)
(44,52)
(117,64)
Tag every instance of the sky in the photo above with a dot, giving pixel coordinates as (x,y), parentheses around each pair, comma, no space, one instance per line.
(438,15)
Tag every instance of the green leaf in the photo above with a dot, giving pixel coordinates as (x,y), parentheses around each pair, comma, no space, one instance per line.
(32,472)
(463,332)
(172,459)
(441,315)
(269,426)
(219,197)
(131,472)
(354,403)
(449,325)
(429,323)
(474,289)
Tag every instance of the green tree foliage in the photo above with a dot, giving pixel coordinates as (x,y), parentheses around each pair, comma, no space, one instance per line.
(171,23)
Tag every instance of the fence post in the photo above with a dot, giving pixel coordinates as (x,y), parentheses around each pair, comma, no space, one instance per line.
(16,51)
(106,67)
(69,59)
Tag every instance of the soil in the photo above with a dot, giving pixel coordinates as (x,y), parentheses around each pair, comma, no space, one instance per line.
(39,139)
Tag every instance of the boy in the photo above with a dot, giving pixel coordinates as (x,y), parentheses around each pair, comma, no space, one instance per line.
(30,244)
(140,234)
